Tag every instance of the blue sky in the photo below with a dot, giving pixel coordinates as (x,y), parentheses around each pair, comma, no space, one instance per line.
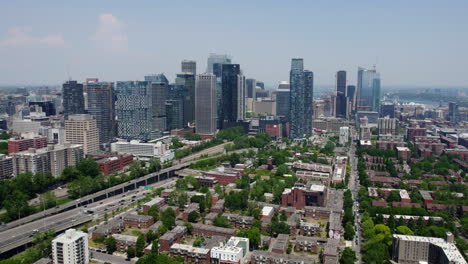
(414,43)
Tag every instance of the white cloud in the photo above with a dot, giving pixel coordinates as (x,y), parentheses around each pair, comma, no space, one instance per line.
(21,36)
(111,34)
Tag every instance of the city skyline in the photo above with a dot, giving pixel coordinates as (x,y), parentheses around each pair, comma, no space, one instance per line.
(33,44)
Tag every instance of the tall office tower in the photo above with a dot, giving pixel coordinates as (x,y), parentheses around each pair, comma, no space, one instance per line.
(71,248)
(215,66)
(368,90)
(387,109)
(454,113)
(261,85)
(157,78)
(341,101)
(134,109)
(205,104)
(174,114)
(187,81)
(158,106)
(101,105)
(232,99)
(250,85)
(282,99)
(47,107)
(219,60)
(351,95)
(82,129)
(301,100)
(73,98)
(189,66)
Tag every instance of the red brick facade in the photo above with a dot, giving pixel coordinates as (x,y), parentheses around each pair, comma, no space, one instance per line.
(114,164)
(18,145)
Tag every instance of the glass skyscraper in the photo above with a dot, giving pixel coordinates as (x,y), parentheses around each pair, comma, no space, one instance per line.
(101,105)
(341,102)
(301,100)
(368,90)
(233,97)
(73,98)
(187,81)
(205,104)
(283,95)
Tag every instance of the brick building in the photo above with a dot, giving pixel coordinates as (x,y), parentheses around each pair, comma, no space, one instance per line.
(225,175)
(138,221)
(171,237)
(190,254)
(114,164)
(208,230)
(413,132)
(158,202)
(311,194)
(22,144)
(281,244)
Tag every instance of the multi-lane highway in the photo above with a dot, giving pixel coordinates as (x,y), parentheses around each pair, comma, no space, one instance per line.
(21,235)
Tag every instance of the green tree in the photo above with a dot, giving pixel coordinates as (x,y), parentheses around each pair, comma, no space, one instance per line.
(404,230)
(348,256)
(111,244)
(151,235)
(130,253)
(47,200)
(221,221)
(88,167)
(168,218)
(193,216)
(155,247)
(140,245)
(349,231)
(154,212)
(70,173)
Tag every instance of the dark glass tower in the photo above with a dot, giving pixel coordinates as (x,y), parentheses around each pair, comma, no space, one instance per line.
(341,102)
(301,100)
(174,114)
(350,94)
(73,98)
(232,98)
(101,105)
(187,81)
(250,85)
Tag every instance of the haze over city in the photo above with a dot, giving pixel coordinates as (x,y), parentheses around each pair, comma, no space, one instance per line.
(413,43)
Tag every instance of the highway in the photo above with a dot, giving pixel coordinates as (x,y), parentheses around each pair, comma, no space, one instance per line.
(99,203)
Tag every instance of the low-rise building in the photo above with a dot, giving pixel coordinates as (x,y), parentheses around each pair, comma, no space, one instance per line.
(190,254)
(171,237)
(311,194)
(208,230)
(114,164)
(123,242)
(280,244)
(157,201)
(225,175)
(22,144)
(265,257)
(144,151)
(233,252)
(138,221)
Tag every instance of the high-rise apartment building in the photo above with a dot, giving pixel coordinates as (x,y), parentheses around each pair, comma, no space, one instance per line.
(73,98)
(341,101)
(387,109)
(101,105)
(250,86)
(134,109)
(6,167)
(388,126)
(368,90)
(82,129)
(205,104)
(283,95)
(53,159)
(454,113)
(351,95)
(158,106)
(233,98)
(70,247)
(187,81)
(301,100)
(189,66)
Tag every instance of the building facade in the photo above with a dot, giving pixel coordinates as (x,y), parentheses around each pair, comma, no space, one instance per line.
(205,104)
(341,101)
(82,129)
(70,248)
(232,98)
(283,95)
(368,90)
(101,105)
(301,100)
(189,66)
(73,98)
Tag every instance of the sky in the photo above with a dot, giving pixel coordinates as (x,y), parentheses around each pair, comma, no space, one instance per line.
(412,43)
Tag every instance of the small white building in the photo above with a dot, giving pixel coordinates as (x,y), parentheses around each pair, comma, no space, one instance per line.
(71,248)
(144,151)
(233,252)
